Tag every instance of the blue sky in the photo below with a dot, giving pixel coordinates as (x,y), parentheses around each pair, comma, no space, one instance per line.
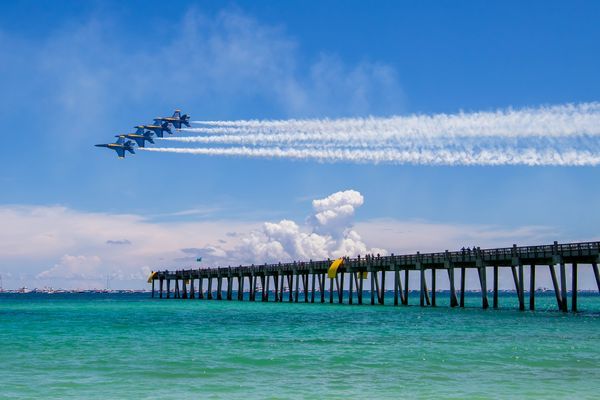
(77,73)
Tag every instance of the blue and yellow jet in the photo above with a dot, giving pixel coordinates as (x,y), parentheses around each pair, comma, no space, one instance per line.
(141,136)
(157,129)
(120,146)
(176,120)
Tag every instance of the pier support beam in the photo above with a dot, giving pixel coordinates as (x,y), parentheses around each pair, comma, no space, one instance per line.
(495,301)
(267,280)
(596,274)
(192,294)
(563,286)
(423,289)
(406,287)
(555,285)
(229,287)
(574,287)
(168,288)
(396,284)
(176,288)
(373,288)
(209,295)
(297,288)
(427,298)
(462,286)
(184,287)
(312,287)
(360,287)
(433,287)
(200,290)
(453,300)
(521,289)
(338,287)
(305,286)
(377,288)
(290,287)
(351,286)
(160,283)
(240,291)
(382,298)
(532,287)
(483,283)
(330,290)
(322,287)
(513,269)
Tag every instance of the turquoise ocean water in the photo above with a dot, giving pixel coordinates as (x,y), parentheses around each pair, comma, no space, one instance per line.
(109,346)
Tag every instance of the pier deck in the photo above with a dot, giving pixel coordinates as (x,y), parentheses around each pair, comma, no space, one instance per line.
(311,277)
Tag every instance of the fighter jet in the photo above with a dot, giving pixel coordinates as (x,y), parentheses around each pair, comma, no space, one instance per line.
(157,129)
(120,146)
(177,119)
(141,136)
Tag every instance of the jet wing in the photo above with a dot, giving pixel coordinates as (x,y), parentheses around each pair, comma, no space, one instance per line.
(140,141)
(120,152)
(159,132)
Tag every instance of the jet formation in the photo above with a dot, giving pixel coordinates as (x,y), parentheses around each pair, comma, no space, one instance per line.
(144,133)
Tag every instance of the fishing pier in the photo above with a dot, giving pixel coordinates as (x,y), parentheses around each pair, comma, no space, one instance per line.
(311,281)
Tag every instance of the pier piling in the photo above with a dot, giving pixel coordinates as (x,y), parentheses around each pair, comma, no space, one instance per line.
(574,287)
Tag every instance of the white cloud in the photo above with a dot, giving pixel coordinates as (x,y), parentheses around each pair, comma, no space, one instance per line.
(327,233)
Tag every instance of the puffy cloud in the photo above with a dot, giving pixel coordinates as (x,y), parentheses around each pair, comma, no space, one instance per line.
(335,211)
(327,233)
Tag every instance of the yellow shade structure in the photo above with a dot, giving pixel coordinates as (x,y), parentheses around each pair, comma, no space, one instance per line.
(152,276)
(332,271)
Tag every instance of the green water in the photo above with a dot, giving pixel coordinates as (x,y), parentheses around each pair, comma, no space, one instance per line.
(130,346)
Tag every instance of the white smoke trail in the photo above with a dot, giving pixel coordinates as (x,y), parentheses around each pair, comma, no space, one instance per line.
(508,156)
(566,135)
(560,120)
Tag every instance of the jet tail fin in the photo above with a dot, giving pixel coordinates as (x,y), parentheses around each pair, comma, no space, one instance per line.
(185,119)
(165,126)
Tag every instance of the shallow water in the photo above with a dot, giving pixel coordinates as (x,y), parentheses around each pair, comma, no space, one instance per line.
(130,346)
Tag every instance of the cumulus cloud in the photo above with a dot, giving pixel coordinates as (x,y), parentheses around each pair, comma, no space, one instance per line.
(327,233)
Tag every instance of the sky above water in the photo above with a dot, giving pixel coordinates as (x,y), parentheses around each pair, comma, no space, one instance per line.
(74,74)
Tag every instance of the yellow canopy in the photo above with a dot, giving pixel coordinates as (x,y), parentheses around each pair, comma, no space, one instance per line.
(332,271)
(152,276)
